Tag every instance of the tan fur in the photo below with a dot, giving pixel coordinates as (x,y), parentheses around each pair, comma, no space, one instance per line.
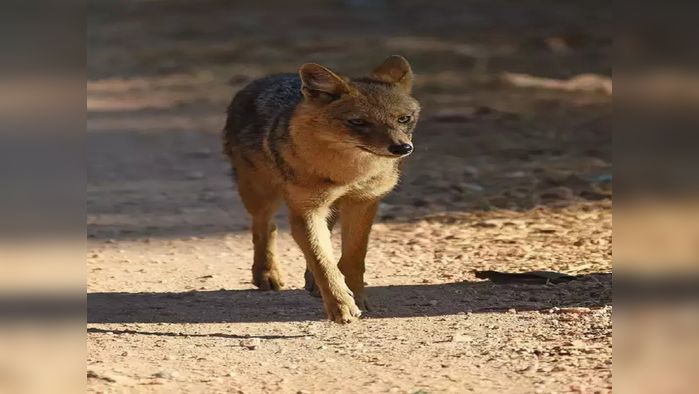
(323,168)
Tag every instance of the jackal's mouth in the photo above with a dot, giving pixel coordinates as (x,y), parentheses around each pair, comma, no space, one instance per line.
(365,149)
(375,153)
(386,155)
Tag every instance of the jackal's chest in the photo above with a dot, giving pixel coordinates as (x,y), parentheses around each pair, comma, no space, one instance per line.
(363,178)
(373,186)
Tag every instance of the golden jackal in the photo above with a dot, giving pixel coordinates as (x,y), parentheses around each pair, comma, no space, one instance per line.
(330,147)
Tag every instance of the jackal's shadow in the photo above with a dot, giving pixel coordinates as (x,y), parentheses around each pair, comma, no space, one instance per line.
(389,301)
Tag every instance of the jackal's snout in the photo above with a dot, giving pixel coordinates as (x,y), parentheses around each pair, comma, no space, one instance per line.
(400,149)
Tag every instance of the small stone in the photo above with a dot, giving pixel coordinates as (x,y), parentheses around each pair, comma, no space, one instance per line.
(512,311)
(323,347)
(124,353)
(251,343)
(167,374)
(485,224)
(460,338)
(575,344)
(111,377)
(303,392)
(167,357)
(577,388)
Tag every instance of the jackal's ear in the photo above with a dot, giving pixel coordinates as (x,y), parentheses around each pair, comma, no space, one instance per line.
(396,70)
(319,83)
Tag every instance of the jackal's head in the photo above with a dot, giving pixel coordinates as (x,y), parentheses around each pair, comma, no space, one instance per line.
(374,114)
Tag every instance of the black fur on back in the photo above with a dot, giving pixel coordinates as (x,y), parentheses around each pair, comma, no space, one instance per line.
(262,110)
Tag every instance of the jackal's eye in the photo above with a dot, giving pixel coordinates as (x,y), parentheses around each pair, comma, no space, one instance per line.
(405,119)
(356,122)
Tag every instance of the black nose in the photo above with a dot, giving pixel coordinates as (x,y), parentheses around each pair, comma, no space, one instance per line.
(400,149)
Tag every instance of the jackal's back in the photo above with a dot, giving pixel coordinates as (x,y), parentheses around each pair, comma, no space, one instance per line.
(262,108)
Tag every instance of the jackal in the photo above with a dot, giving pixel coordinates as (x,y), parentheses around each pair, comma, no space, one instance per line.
(330,147)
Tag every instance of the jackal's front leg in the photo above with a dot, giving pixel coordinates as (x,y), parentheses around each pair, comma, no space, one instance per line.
(356,219)
(309,229)
(310,284)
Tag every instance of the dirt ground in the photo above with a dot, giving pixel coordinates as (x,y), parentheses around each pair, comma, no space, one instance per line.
(503,178)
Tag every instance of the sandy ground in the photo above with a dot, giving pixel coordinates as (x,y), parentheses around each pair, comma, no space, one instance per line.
(502,178)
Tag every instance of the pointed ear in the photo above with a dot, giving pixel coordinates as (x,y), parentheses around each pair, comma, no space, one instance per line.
(320,83)
(396,70)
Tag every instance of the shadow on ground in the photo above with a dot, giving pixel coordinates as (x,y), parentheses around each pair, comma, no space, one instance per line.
(93,330)
(237,306)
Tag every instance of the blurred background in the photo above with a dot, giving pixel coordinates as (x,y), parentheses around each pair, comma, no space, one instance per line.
(516,98)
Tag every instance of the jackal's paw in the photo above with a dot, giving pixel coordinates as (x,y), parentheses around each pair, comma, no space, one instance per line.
(341,310)
(267,279)
(311,285)
(362,301)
